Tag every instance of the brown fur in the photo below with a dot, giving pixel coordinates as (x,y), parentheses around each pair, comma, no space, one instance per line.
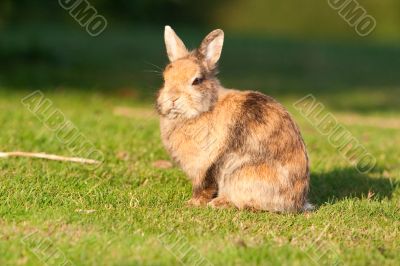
(238,148)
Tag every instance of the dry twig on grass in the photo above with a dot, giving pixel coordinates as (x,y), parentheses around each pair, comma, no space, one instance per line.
(48,157)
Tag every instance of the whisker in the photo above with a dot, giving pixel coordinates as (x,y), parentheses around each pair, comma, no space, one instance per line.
(153,71)
(151,64)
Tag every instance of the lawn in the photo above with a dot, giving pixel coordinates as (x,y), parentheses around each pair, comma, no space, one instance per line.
(128,211)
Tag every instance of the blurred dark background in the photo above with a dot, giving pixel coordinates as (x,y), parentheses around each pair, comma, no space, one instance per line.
(281,47)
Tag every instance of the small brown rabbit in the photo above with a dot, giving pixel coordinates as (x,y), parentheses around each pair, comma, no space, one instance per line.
(239,148)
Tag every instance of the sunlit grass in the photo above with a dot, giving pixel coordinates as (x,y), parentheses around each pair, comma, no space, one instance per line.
(116,214)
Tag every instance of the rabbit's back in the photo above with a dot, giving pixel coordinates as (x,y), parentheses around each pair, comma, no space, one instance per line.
(264,164)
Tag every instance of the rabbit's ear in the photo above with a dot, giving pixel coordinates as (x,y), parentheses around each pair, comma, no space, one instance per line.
(175,47)
(211,48)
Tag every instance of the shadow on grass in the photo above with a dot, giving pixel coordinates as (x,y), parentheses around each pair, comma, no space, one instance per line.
(345,183)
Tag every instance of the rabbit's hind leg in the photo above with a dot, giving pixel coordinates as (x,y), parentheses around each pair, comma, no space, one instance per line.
(221,202)
(254,187)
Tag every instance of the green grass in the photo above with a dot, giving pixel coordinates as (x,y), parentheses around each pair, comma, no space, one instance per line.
(139,210)
(134,202)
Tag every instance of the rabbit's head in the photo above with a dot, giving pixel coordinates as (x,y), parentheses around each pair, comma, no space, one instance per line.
(190,84)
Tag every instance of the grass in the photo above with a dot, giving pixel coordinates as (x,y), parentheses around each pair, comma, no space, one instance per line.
(128,212)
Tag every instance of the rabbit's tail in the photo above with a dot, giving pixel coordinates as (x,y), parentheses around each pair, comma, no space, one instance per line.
(308,207)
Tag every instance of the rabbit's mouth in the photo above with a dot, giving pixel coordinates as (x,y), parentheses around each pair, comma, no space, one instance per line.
(173,113)
(176,113)
(167,110)
(179,107)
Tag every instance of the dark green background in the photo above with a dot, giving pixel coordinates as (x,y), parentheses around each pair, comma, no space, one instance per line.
(279,47)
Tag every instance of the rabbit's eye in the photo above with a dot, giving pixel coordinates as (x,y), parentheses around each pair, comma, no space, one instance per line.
(197,81)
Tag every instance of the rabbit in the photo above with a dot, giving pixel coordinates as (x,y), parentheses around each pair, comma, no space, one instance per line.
(239,148)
